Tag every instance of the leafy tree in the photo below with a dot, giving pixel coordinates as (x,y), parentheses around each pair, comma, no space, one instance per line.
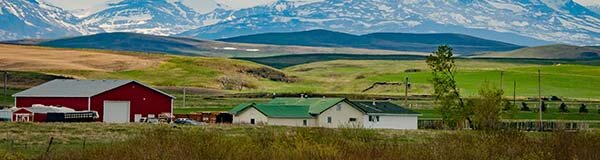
(446,92)
(524,107)
(487,107)
(583,109)
(563,108)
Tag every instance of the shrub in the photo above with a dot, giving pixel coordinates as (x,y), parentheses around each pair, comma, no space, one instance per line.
(524,107)
(487,107)
(563,108)
(555,98)
(583,109)
(235,83)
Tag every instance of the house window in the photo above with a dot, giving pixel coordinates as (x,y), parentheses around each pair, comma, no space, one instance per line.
(305,122)
(338,107)
(352,120)
(329,119)
(252,121)
(373,118)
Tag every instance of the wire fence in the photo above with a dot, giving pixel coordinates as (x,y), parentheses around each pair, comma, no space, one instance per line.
(523,125)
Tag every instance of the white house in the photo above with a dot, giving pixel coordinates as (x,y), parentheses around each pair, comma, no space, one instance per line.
(326,112)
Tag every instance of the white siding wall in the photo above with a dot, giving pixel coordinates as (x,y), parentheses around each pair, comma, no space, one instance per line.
(6,114)
(340,118)
(311,122)
(250,113)
(392,121)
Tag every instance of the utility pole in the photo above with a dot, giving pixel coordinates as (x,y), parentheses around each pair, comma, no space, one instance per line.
(515,92)
(406,92)
(5,94)
(540,97)
(502,80)
(183,97)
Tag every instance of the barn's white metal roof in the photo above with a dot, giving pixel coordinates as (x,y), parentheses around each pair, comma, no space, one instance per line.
(75,88)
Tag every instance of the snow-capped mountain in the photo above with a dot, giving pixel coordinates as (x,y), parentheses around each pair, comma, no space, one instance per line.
(524,22)
(561,21)
(593,5)
(159,17)
(21,19)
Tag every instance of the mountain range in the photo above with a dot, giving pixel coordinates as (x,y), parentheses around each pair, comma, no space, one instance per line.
(135,42)
(531,22)
(462,44)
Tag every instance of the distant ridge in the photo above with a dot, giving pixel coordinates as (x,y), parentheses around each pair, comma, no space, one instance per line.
(121,41)
(558,51)
(135,42)
(462,44)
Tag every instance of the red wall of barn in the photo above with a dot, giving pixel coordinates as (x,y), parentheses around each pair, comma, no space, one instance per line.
(142,100)
(78,104)
(40,117)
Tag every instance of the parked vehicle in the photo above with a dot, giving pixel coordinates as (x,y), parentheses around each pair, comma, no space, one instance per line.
(186,121)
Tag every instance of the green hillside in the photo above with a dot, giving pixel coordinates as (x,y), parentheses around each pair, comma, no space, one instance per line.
(558,51)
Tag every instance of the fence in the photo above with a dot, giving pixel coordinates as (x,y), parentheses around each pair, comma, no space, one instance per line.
(523,125)
(38,149)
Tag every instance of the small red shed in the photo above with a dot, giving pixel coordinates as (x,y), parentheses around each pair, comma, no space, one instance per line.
(116,101)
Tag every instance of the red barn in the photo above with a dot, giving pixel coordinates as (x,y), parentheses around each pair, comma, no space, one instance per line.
(116,101)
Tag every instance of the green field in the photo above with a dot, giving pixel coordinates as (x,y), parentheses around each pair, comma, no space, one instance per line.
(564,80)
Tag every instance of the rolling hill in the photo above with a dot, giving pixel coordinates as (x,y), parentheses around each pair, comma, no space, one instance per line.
(136,42)
(558,51)
(462,44)
(335,77)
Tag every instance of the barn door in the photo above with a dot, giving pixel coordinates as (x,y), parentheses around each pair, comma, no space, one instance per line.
(116,111)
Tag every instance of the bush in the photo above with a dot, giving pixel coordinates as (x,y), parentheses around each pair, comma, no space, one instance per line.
(507,105)
(563,108)
(487,107)
(524,107)
(583,109)
(555,98)
(235,83)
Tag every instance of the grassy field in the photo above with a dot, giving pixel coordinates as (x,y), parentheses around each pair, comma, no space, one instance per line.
(564,80)
(144,141)
(571,79)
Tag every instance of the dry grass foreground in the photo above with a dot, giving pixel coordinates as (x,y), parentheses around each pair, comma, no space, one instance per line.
(30,58)
(139,141)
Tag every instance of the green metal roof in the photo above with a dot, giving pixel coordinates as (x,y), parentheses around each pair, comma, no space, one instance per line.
(235,110)
(275,110)
(316,105)
(283,111)
(382,107)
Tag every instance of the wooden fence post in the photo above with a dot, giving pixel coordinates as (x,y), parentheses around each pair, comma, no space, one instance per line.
(49,145)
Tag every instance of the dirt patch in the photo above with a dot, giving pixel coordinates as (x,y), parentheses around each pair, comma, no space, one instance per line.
(28,58)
